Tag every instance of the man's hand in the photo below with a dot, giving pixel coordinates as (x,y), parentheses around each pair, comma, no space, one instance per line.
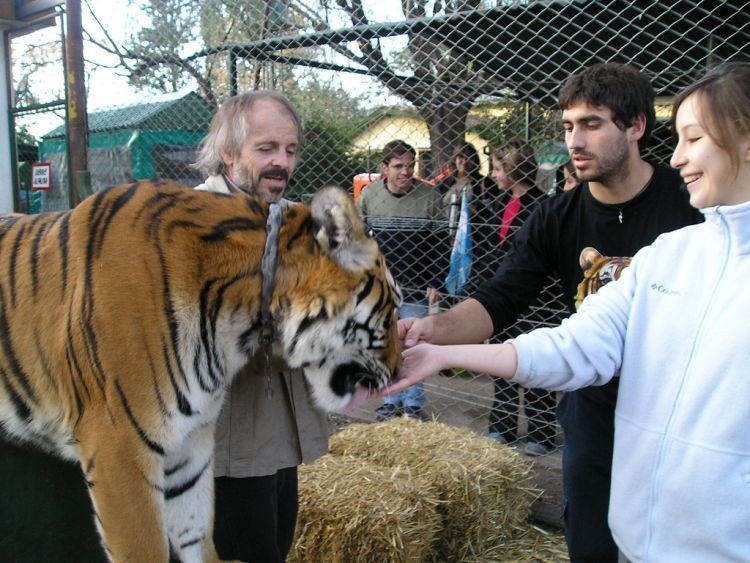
(465,323)
(413,330)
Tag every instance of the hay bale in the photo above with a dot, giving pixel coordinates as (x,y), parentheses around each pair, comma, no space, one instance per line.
(529,545)
(353,510)
(485,488)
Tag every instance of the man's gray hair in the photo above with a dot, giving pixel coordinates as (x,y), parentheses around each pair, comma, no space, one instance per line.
(229,129)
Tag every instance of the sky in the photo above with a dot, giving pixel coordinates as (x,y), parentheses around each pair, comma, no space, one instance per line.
(104,87)
(108,88)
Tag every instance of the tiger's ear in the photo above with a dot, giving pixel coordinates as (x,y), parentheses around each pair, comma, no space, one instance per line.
(340,230)
(588,257)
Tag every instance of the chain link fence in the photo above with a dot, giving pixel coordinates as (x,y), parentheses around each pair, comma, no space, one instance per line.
(470,85)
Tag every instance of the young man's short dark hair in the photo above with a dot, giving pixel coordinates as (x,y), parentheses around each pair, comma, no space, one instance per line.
(396,149)
(620,87)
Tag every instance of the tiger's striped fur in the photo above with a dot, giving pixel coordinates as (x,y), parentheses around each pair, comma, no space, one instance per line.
(123,321)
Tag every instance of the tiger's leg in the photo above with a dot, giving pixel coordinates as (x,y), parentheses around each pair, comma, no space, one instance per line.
(189,498)
(125,479)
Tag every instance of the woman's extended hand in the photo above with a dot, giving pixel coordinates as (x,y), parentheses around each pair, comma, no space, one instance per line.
(417,364)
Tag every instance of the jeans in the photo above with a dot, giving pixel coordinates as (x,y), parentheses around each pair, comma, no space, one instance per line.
(411,397)
(414,395)
(409,310)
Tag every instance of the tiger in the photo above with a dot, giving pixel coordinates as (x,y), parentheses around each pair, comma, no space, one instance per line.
(598,271)
(124,320)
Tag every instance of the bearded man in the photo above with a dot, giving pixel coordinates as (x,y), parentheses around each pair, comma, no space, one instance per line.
(269,424)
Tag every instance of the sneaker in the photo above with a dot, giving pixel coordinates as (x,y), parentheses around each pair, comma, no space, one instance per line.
(534,449)
(414,413)
(499,438)
(386,411)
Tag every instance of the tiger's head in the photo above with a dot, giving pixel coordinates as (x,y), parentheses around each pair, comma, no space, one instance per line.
(339,325)
(334,305)
(598,271)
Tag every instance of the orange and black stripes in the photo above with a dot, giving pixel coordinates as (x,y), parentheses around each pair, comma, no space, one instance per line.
(124,320)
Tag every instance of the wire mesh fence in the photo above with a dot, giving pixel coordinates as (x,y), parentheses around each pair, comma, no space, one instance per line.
(470,86)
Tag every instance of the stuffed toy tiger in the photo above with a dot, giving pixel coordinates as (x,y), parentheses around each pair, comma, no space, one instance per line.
(598,271)
(124,320)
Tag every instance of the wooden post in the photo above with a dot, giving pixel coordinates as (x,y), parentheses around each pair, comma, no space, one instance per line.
(76,105)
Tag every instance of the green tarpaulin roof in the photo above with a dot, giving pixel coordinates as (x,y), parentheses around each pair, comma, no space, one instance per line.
(188,113)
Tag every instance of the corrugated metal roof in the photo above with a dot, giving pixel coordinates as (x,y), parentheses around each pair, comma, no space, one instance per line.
(187,113)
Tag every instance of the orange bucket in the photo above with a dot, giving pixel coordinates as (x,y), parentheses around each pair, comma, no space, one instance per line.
(362,180)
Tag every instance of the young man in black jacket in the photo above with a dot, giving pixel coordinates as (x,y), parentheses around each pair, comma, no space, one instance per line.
(622,204)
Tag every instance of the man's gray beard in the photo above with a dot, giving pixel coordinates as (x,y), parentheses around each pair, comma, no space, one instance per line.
(249,188)
(236,186)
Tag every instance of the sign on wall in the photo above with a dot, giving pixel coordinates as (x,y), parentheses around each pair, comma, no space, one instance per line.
(41,177)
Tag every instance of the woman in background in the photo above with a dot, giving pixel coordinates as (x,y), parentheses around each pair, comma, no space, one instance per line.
(466,178)
(514,170)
